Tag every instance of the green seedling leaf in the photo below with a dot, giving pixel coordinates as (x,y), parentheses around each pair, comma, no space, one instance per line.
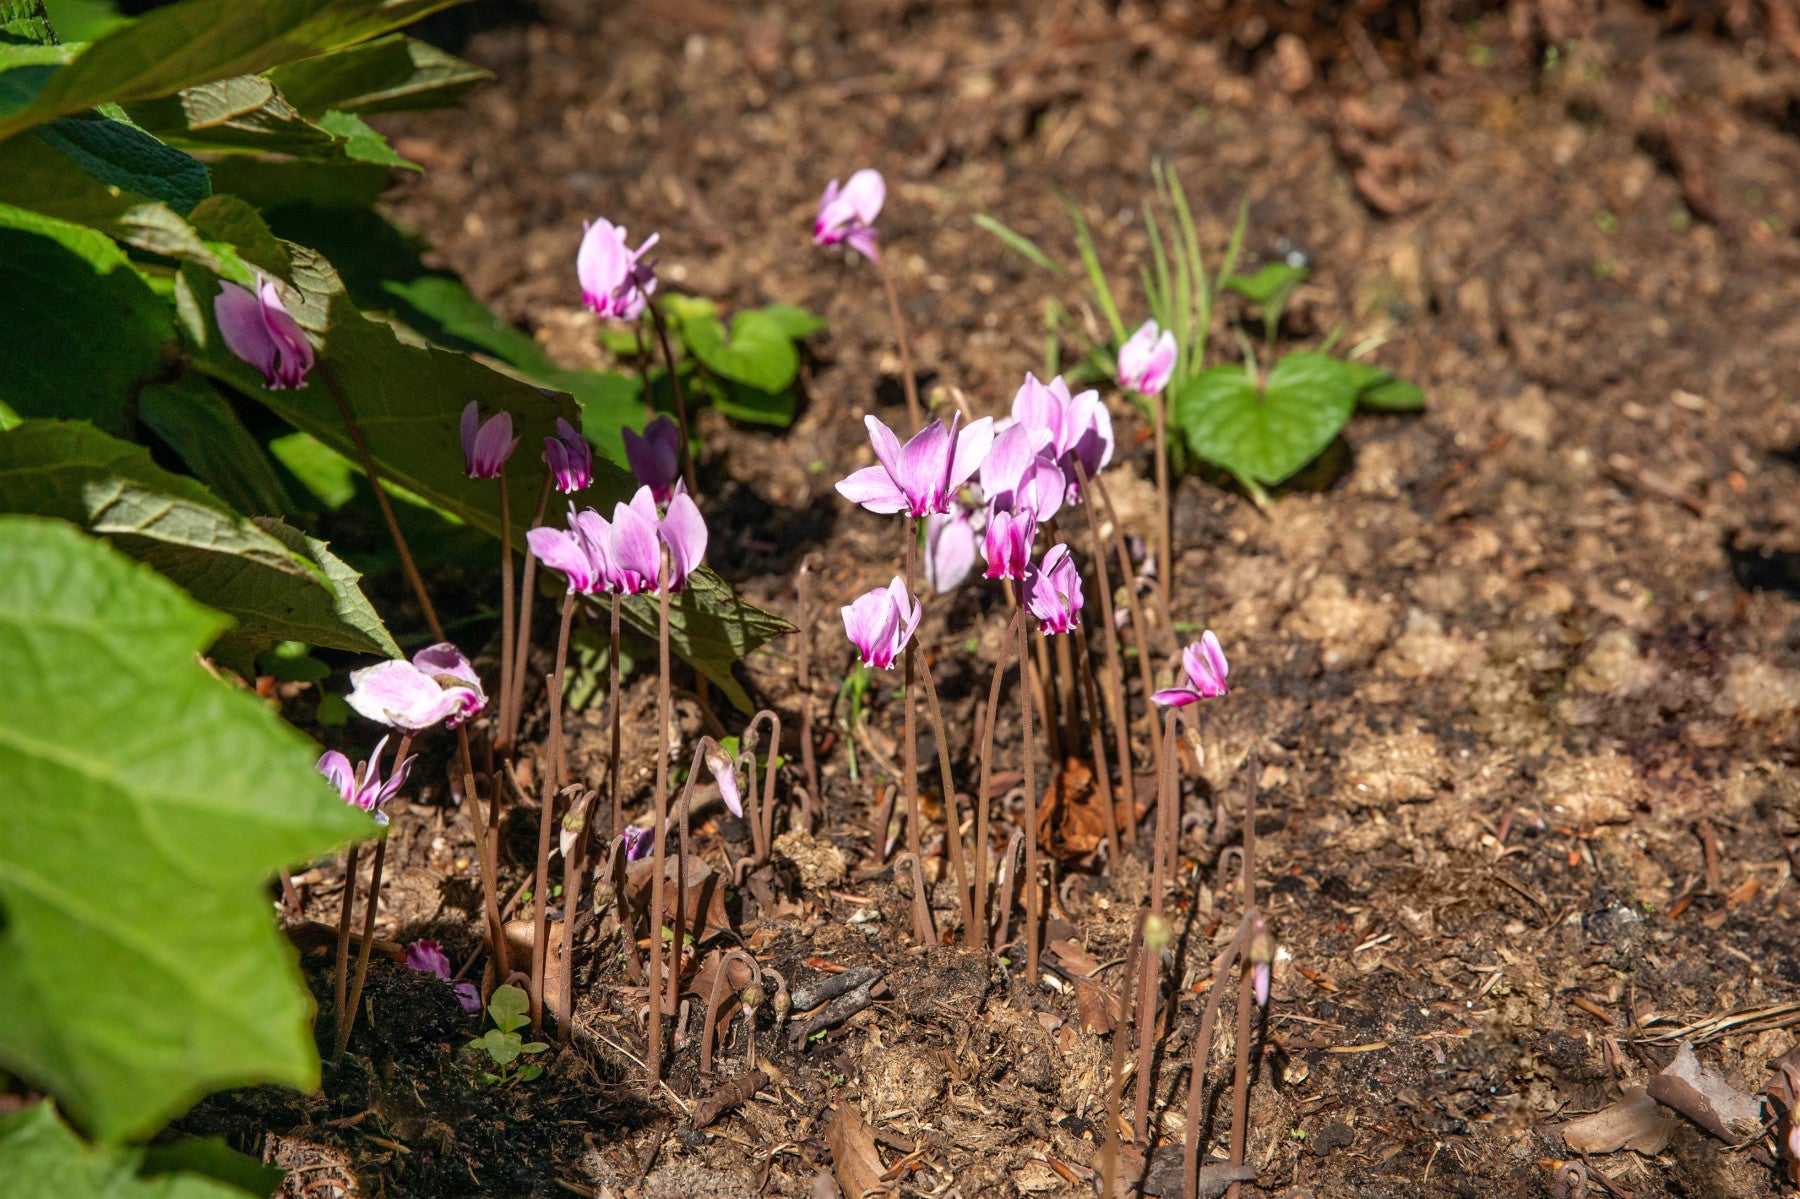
(1274,280)
(195,421)
(1018,243)
(278,584)
(392,74)
(146,806)
(508,1005)
(1269,434)
(59,283)
(198,41)
(40,1158)
(760,353)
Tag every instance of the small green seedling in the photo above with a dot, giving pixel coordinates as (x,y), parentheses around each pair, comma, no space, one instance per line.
(503,1044)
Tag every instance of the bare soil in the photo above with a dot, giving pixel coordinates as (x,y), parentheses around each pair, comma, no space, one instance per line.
(1509,665)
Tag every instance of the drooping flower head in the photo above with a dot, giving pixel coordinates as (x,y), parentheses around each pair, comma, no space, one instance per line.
(1053,591)
(724,771)
(369,792)
(1020,473)
(1073,428)
(1147,359)
(486,445)
(881,622)
(438,684)
(848,214)
(655,457)
(1206,667)
(1007,546)
(569,457)
(949,548)
(615,281)
(571,552)
(428,957)
(258,328)
(921,477)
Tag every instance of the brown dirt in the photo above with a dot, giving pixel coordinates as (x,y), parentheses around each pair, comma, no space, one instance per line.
(1561,601)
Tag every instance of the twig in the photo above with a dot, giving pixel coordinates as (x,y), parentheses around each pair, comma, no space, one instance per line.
(805,999)
(731,1095)
(834,1013)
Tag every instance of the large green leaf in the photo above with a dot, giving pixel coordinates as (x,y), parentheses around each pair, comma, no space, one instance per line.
(390,74)
(40,1158)
(241,115)
(761,351)
(275,588)
(145,806)
(80,330)
(195,421)
(122,156)
(1266,435)
(199,41)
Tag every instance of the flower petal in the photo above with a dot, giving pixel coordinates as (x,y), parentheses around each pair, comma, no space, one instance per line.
(873,488)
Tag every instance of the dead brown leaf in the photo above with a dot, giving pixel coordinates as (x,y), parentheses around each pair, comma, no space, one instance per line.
(1633,1121)
(854,1159)
(1703,1096)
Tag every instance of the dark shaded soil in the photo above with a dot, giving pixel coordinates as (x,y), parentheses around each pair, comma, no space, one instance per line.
(1507,664)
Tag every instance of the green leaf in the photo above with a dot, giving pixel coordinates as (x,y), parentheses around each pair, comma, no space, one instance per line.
(195,421)
(23,22)
(277,584)
(199,41)
(363,143)
(760,353)
(40,1158)
(84,20)
(211,1157)
(241,115)
(25,69)
(755,406)
(1381,391)
(146,805)
(391,74)
(508,1005)
(326,473)
(1018,243)
(344,186)
(80,330)
(1275,279)
(793,320)
(1266,436)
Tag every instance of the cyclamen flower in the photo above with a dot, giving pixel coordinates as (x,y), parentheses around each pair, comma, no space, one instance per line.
(1262,959)
(848,215)
(368,793)
(921,477)
(655,457)
(1007,547)
(881,622)
(486,445)
(626,553)
(1018,473)
(569,457)
(1074,428)
(1206,668)
(258,328)
(638,842)
(1147,359)
(571,553)
(615,281)
(724,772)
(428,957)
(949,548)
(438,684)
(1053,591)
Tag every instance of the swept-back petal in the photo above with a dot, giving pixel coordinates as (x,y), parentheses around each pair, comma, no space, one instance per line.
(683,530)
(973,444)
(873,488)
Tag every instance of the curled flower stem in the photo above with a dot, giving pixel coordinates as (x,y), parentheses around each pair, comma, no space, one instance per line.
(407,565)
(1115,666)
(904,343)
(952,806)
(513,708)
(506,603)
(555,776)
(762,814)
(923,931)
(982,868)
(663,719)
(662,337)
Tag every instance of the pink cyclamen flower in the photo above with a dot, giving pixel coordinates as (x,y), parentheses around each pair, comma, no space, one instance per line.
(920,477)
(655,457)
(258,328)
(428,957)
(638,842)
(1053,591)
(1073,428)
(1206,668)
(949,548)
(724,771)
(368,793)
(1019,473)
(616,282)
(569,551)
(569,457)
(438,685)
(1147,359)
(848,214)
(881,622)
(1007,546)
(486,445)
(629,551)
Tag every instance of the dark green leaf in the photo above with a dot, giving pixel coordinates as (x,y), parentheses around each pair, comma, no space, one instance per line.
(80,331)
(131,992)
(211,1157)
(242,115)
(760,351)
(123,156)
(40,1158)
(755,406)
(84,20)
(24,22)
(388,75)
(278,584)
(1272,281)
(1268,436)
(340,186)
(200,426)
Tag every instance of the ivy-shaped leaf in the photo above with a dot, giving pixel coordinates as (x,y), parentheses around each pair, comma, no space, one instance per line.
(1267,434)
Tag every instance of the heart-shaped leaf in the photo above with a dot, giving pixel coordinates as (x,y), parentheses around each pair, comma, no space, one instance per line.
(1269,434)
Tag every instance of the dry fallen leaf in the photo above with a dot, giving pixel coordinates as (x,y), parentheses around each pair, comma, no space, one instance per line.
(1096,1005)
(1703,1096)
(854,1158)
(1632,1122)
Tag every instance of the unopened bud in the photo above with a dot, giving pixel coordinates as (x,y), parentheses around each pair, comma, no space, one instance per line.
(753,995)
(1156,933)
(1262,957)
